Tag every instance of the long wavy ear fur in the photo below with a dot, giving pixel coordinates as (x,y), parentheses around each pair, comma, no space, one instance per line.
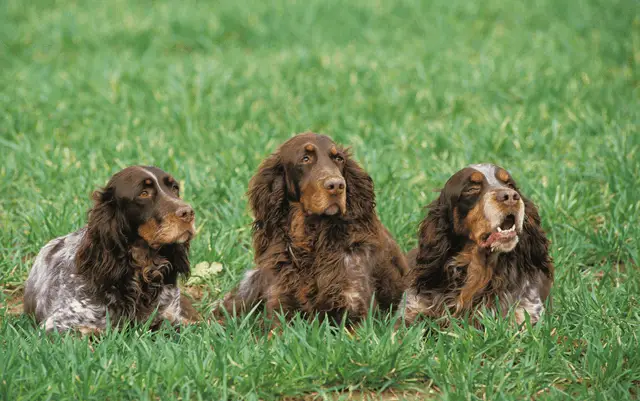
(361,198)
(268,201)
(178,257)
(533,250)
(102,256)
(434,242)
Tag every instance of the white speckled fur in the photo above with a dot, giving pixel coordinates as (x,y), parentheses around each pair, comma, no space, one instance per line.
(358,291)
(530,303)
(58,296)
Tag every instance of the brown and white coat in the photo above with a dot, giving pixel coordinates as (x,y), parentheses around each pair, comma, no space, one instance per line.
(481,245)
(124,265)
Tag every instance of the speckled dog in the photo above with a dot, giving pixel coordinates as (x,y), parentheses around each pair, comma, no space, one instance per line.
(124,265)
(480,245)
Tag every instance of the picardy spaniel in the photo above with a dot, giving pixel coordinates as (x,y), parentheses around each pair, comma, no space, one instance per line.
(481,245)
(319,246)
(124,265)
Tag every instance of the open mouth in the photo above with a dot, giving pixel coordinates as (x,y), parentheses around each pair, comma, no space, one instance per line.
(509,223)
(503,234)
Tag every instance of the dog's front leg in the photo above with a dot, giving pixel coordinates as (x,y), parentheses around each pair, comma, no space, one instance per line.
(169,307)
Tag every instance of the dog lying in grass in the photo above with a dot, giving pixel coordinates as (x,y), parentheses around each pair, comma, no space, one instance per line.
(124,265)
(319,246)
(481,245)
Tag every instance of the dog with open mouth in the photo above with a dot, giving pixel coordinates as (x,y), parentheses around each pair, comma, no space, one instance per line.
(481,245)
(124,265)
(319,247)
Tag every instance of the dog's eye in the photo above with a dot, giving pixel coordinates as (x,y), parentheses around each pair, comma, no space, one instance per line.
(339,159)
(511,185)
(306,159)
(175,189)
(145,194)
(474,190)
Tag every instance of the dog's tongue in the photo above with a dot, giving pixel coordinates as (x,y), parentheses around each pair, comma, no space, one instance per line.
(499,237)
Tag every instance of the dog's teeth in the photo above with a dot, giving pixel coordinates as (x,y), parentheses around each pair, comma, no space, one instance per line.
(499,229)
(513,227)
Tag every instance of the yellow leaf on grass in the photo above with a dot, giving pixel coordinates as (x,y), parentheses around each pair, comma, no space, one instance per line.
(204,270)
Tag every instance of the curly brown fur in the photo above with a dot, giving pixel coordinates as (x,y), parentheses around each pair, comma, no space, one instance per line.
(468,255)
(319,245)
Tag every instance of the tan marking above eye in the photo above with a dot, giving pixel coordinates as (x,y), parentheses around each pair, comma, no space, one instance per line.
(334,151)
(502,175)
(309,147)
(477,177)
(148,181)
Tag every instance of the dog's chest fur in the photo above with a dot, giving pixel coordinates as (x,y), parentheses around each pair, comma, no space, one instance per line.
(335,274)
(473,282)
(151,284)
(486,279)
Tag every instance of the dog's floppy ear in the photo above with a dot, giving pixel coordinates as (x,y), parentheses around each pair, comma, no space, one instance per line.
(361,197)
(532,251)
(178,257)
(434,240)
(103,254)
(268,200)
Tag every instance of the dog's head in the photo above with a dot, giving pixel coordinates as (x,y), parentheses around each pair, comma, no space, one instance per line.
(486,206)
(482,205)
(313,172)
(139,203)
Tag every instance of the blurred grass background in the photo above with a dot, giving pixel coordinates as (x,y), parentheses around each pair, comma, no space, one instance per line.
(206,90)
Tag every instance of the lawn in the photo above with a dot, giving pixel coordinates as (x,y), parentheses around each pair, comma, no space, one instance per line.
(548,89)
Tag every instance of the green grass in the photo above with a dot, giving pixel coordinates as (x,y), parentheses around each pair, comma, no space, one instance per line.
(547,88)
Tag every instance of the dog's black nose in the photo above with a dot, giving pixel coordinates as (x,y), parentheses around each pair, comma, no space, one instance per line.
(186,214)
(334,185)
(508,197)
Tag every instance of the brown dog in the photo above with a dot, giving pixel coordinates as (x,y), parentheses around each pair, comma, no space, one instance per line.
(481,244)
(319,245)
